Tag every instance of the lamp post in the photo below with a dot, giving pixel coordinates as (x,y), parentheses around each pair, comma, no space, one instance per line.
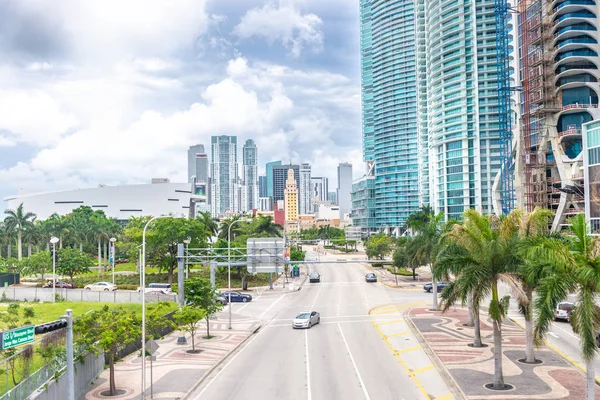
(54,240)
(112,257)
(143,289)
(229,264)
(187,242)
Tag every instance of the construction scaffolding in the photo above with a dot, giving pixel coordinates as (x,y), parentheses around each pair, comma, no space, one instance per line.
(503,50)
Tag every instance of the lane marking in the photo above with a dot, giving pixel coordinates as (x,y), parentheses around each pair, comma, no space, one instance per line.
(397,334)
(418,371)
(227,365)
(312,307)
(567,332)
(445,397)
(307,366)
(553,334)
(362,384)
(395,321)
(271,306)
(356,321)
(407,350)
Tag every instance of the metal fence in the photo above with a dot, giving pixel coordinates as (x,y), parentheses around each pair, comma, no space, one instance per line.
(28,385)
(45,295)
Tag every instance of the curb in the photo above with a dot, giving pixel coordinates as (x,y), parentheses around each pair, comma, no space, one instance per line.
(238,346)
(559,353)
(446,376)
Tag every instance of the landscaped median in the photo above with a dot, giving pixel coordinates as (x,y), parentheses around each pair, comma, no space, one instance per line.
(449,342)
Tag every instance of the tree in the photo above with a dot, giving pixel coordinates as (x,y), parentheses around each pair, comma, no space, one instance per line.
(108,330)
(201,293)
(31,235)
(72,262)
(188,318)
(263,226)
(18,220)
(38,263)
(573,266)
(210,224)
(401,257)
(297,255)
(483,249)
(379,246)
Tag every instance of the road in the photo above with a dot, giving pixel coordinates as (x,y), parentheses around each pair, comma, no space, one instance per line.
(362,349)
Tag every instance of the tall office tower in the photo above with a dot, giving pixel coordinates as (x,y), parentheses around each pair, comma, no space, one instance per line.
(224,173)
(197,163)
(291,202)
(280,173)
(559,77)
(389,110)
(262,186)
(270,166)
(250,173)
(319,187)
(304,194)
(344,178)
(462,104)
(422,133)
(332,197)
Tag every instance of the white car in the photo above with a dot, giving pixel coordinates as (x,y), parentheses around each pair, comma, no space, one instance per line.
(105,286)
(306,319)
(563,310)
(160,288)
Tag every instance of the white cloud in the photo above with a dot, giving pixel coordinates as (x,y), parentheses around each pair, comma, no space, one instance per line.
(283,23)
(5,142)
(237,67)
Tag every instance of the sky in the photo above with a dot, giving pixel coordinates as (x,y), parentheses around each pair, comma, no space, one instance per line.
(114,91)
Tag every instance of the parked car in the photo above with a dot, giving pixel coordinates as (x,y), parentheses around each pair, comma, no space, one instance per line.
(314,277)
(371,277)
(306,319)
(428,287)
(60,284)
(222,299)
(563,310)
(105,286)
(237,297)
(161,288)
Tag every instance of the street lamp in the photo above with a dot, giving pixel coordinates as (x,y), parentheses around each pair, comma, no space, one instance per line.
(54,240)
(187,242)
(113,254)
(229,263)
(143,290)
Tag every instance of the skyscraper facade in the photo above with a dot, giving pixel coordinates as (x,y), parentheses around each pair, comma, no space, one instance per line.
(270,166)
(462,104)
(250,173)
(319,187)
(262,186)
(344,178)
(197,163)
(291,197)
(280,174)
(389,97)
(304,193)
(224,173)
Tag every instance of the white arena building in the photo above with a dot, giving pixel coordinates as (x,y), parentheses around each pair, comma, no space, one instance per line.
(120,202)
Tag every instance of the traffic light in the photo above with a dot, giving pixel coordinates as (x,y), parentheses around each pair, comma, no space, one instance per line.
(50,326)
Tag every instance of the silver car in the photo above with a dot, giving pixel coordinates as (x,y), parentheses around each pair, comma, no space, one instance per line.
(306,319)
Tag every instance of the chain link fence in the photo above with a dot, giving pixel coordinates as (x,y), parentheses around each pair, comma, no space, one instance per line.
(45,295)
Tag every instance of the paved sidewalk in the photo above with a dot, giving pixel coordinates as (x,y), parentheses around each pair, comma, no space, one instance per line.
(176,372)
(447,339)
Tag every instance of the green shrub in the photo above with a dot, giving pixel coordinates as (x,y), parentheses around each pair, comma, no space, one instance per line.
(402,271)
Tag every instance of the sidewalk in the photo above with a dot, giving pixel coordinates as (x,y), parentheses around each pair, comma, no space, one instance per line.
(404,282)
(446,341)
(176,372)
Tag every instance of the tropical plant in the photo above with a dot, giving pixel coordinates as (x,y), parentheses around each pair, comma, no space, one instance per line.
(210,224)
(379,246)
(38,263)
(188,318)
(200,293)
(18,220)
(481,251)
(573,266)
(71,262)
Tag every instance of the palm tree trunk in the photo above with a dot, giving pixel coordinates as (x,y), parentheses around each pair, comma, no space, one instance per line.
(434,305)
(529,345)
(105,254)
(19,243)
(60,242)
(99,256)
(81,246)
(9,250)
(590,380)
(498,376)
(470,321)
(28,248)
(47,246)
(477,328)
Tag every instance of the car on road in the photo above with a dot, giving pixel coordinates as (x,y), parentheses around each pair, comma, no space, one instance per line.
(306,319)
(563,310)
(371,277)
(314,277)
(160,288)
(60,284)
(237,297)
(101,286)
(428,287)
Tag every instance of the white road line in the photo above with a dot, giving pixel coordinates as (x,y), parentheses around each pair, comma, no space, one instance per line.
(307,366)
(567,332)
(312,306)
(227,365)
(271,306)
(356,321)
(362,384)
(553,334)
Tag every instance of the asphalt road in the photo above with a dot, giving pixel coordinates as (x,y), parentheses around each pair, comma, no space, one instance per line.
(362,349)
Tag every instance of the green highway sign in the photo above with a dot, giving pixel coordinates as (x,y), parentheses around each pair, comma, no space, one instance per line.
(17,337)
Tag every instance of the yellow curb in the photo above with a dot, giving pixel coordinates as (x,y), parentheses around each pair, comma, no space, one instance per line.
(407,350)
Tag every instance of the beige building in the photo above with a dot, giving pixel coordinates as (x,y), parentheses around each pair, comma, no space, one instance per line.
(291,203)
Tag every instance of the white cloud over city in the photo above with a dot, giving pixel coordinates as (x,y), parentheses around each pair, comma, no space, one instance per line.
(114,92)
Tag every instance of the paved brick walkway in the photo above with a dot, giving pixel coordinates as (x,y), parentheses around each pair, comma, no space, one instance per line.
(175,372)
(472,368)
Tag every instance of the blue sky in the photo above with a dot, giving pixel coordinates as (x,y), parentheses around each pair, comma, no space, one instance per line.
(113,92)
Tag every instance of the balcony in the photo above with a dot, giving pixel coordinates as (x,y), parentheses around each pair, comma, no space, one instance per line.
(578,40)
(573,2)
(578,106)
(577,14)
(579,27)
(569,132)
(576,53)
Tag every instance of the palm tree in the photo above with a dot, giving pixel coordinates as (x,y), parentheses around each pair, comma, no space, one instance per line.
(19,221)
(265,225)
(224,228)
(484,247)
(210,224)
(57,227)
(574,266)
(31,235)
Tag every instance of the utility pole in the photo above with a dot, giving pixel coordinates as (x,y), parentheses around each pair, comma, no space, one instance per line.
(70,366)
